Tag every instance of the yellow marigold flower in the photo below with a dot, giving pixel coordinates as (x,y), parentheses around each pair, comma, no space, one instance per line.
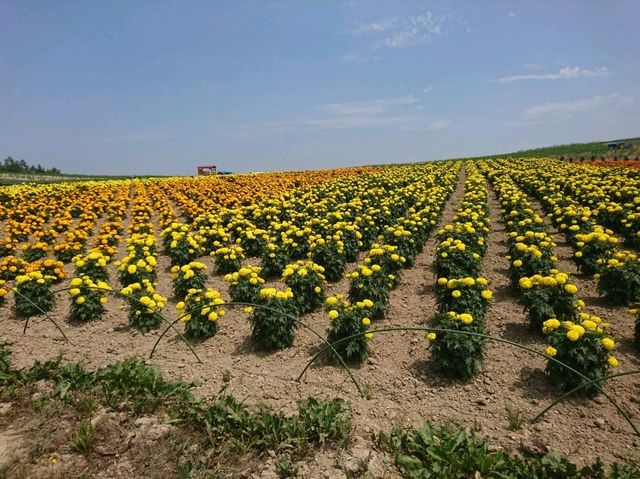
(486,294)
(608,344)
(573,335)
(76,282)
(74,291)
(613,361)
(367,303)
(525,283)
(571,288)
(213,316)
(456,293)
(442,281)
(131,268)
(517,263)
(468,282)
(368,336)
(431,336)
(317,289)
(466,318)
(366,322)
(331,300)
(550,351)
(80,300)
(180,305)
(333,314)
(248,309)
(103,299)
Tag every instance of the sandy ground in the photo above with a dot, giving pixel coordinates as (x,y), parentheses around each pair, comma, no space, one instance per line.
(401,387)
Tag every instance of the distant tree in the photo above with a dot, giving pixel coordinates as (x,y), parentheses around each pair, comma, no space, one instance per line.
(14,166)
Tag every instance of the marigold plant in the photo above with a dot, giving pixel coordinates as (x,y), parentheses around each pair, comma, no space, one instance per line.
(200,312)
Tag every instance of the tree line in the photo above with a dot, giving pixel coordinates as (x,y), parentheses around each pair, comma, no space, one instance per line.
(20,166)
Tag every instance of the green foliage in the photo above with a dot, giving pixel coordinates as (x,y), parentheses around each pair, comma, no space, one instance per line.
(86,299)
(620,278)
(583,351)
(230,423)
(181,246)
(131,385)
(228,259)
(515,417)
(285,468)
(349,320)
(306,281)
(274,328)
(463,295)
(387,257)
(33,294)
(456,355)
(245,284)
(202,313)
(92,265)
(455,260)
(373,284)
(145,306)
(83,442)
(545,297)
(274,260)
(329,254)
(450,453)
(132,270)
(188,277)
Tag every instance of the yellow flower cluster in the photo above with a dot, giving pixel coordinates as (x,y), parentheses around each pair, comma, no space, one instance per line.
(250,272)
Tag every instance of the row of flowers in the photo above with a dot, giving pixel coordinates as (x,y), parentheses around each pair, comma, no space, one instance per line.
(550,299)
(463,296)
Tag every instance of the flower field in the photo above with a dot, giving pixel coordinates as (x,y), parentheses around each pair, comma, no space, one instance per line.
(448,289)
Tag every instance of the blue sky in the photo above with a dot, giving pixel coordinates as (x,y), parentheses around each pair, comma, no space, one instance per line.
(133,87)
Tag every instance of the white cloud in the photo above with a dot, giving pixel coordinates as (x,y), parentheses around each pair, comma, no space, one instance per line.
(562,74)
(438,125)
(401,32)
(554,111)
(511,14)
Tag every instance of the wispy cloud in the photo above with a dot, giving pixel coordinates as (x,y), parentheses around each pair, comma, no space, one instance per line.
(407,31)
(562,74)
(438,125)
(555,111)
(338,116)
(368,107)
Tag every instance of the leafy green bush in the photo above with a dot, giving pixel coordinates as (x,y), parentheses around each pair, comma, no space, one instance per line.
(245,284)
(87,298)
(187,277)
(584,347)
(456,355)
(145,305)
(619,278)
(202,313)
(329,254)
(372,284)
(306,280)
(33,294)
(228,259)
(274,328)
(348,320)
